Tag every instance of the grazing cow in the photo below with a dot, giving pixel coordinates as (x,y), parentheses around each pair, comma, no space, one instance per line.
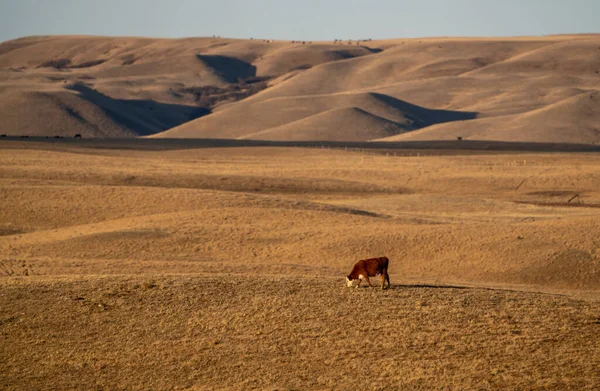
(77,136)
(366,268)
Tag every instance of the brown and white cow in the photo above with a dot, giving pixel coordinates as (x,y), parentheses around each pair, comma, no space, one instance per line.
(366,268)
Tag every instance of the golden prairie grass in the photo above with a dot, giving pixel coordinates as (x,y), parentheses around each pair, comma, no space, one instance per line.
(223,269)
(256,332)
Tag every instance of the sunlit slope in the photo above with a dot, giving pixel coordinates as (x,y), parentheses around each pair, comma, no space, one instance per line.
(574,120)
(350,123)
(345,116)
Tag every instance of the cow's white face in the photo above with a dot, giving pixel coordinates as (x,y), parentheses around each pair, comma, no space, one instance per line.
(349,282)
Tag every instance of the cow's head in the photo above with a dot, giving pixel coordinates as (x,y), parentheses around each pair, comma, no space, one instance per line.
(349,281)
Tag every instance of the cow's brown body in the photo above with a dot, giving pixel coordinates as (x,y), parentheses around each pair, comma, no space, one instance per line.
(370,268)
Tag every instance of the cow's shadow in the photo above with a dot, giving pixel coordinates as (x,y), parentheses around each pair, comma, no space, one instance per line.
(427,286)
(414,286)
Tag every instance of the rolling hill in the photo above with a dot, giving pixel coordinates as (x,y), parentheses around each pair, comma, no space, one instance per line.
(533,89)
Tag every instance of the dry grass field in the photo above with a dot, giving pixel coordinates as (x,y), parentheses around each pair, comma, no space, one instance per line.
(223,268)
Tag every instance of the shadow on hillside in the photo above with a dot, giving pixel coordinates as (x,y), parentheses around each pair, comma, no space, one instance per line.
(229,68)
(373,50)
(422,117)
(141,117)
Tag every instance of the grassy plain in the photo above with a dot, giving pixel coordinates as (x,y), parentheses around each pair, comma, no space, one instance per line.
(222,268)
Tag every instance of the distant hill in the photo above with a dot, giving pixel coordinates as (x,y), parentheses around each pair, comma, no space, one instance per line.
(532,89)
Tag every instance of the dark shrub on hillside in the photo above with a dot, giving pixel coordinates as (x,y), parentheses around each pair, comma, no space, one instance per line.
(57,64)
(209,96)
(128,59)
(88,64)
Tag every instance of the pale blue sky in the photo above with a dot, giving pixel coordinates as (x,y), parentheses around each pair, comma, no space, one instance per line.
(306,20)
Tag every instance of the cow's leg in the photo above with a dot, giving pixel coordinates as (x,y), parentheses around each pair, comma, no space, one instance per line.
(368,281)
(385,277)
